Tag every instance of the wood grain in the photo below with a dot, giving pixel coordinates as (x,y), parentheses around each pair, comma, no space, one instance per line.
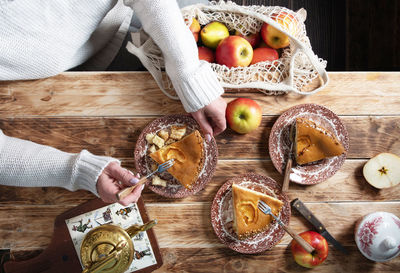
(369,135)
(136,93)
(348,184)
(278,259)
(31,227)
(105,113)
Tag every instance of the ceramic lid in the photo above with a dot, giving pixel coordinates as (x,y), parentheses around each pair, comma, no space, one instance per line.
(377,236)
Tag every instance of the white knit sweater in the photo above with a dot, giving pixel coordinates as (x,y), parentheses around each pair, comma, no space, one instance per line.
(43,38)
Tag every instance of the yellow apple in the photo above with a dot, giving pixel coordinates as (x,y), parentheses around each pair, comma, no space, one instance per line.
(213,33)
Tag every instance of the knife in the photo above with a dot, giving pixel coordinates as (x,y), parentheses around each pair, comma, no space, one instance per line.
(289,163)
(300,207)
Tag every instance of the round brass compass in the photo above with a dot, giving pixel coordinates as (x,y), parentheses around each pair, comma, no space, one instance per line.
(109,248)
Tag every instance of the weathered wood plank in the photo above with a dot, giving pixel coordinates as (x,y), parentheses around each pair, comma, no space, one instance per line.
(136,93)
(278,259)
(117,136)
(348,184)
(180,226)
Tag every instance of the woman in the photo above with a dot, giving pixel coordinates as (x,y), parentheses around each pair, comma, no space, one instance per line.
(40,39)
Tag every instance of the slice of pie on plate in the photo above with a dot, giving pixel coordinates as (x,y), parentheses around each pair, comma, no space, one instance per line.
(188,154)
(313,142)
(248,219)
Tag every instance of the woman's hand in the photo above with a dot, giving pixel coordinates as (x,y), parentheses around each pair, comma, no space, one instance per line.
(115,178)
(211,118)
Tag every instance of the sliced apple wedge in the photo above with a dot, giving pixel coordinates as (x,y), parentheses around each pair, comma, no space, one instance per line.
(383,170)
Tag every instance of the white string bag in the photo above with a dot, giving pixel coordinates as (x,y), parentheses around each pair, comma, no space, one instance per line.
(295,71)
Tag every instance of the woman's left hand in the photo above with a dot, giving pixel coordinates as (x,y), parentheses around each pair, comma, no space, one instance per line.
(115,178)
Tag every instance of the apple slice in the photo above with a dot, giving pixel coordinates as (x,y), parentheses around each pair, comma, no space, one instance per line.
(383,170)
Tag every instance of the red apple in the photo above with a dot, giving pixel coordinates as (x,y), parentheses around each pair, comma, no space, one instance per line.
(275,38)
(206,54)
(263,54)
(262,44)
(310,260)
(243,115)
(287,21)
(234,51)
(195,29)
(253,38)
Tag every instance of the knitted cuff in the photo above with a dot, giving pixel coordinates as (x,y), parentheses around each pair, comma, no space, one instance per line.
(88,168)
(198,89)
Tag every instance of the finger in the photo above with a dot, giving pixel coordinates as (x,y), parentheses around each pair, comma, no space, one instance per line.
(219,125)
(133,197)
(121,174)
(107,189)
(203,122)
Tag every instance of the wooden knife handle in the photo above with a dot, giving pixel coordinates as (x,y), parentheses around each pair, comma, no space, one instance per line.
(286,178)
(300,207)
(299,239)
(125,192)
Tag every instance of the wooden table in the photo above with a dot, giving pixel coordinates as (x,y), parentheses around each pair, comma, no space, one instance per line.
(105,112)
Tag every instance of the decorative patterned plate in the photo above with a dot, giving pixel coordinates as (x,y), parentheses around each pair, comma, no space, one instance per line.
(174,189)
(222,214)
(315,172)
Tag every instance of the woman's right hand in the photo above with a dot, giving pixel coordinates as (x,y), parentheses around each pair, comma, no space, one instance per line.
(211,118)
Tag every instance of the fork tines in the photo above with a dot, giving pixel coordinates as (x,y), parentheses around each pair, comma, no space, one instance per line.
(264,207)
(166,165)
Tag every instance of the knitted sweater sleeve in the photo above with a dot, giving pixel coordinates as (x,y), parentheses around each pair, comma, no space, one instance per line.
(194,81)
(24,163)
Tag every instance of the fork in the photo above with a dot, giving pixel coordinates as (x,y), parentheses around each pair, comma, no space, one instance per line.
(162,167)
(267,210)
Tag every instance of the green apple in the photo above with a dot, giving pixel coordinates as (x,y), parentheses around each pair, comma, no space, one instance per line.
(243,115)
(213,33)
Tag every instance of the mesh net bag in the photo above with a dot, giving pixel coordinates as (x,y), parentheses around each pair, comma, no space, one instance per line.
(297,70)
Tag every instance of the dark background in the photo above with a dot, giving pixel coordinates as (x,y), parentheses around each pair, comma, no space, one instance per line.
(352,35)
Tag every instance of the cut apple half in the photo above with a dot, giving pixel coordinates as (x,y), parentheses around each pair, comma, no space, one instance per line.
(383,170)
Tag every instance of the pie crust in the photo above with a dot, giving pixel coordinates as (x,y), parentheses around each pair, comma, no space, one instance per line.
(188,155)
(313,142)
(248,219)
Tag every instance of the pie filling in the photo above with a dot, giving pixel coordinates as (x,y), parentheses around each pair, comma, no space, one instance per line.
(313,142)
(248,219)
(188,154)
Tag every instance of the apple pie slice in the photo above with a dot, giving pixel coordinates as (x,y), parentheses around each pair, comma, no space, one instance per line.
(248,219)
(188,154)
(313,142)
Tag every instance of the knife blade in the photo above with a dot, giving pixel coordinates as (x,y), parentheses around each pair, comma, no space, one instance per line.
(289,163)
(300,207)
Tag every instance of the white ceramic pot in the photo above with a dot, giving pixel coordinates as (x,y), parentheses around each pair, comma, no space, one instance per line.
(377,236)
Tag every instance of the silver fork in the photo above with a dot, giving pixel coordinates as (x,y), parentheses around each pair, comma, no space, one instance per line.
(267,210)
(161,168)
